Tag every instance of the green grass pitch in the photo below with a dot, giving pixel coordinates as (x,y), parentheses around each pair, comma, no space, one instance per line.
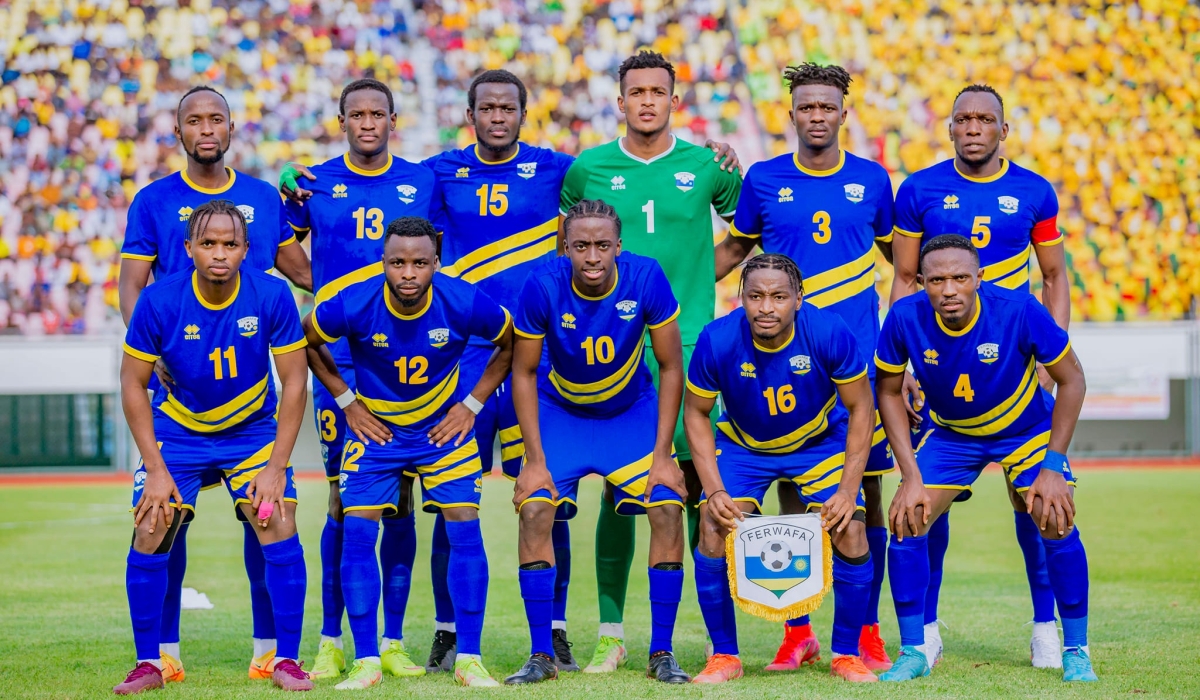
(64,627)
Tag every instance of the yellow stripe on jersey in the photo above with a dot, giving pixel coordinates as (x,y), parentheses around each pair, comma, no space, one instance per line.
(889,367)
(249,468)
(224,416)
(603,389)
(788,443)
(507,435)
(1012,273)
(506,253)
(135,256)
(134,352)
(409,412)
(632,477)
(827,473)
(508,319)
(702,393)
(285,349)
(1002,415)
(363,273)
(1025,456)
(460,463)
(733,231)
(842,282)
(910,234)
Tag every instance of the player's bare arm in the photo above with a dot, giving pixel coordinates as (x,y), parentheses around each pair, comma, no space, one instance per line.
(1056,290)
(856,396)
(885,247)
(359,418)
(160,489)
(731,252)
(535,475)
(268,486)
(668,350)
(132,279)
(911,496)
(720,507)
(906,252)
(293,264)
(1049,500)
(460,418)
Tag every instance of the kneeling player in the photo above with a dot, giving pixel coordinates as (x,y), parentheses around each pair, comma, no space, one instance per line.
(596,412)
(974,348)
(407,329)
(781,367)
(215,328)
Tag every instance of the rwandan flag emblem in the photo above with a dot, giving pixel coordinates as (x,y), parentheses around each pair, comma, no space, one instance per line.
(777,568)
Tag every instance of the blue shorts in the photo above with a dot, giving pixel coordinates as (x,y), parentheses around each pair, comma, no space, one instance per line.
(370,474)
(198,461)
(331,424)
(816,470)
(950,460)
(619,448)
(498,416)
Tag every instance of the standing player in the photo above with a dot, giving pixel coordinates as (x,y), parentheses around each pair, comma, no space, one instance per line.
(154,245)
(215,330)
(406,342)
(827,210)
(592,310)
(663,189)
(1006,209)
(797,406)
(346,212)
(974,347)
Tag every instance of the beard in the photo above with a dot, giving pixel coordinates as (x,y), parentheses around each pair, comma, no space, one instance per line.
(208,160)
(981,160)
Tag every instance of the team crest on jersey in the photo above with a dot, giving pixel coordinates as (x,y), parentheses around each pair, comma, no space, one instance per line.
(854,192)
(342,481)
(247,212)
(785,194)
(439,337)
(1009,205)
(185,213)
(988,353)
(627,308)
(463,172)
(801,364)
(191,332)
(618,183)
(139,479)
(748,370)
(526,170)
(406,193)
(685,181)
(568,321)
(931,357)
(950,202)
(248,326)
(339,191)
(379,340)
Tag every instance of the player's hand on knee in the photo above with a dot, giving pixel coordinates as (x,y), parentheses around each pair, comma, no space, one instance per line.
(265,492)
(164,374)
(157,495)
(365,425)
(724,511)
(664,472)
(838,511)
(455,425)
(1055,494)
(725,155)
(534,477)
(910,391)
(902,514)
(288,184)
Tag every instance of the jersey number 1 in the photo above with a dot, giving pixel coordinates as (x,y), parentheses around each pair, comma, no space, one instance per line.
(598,349)
(230,357)
(648,210)
(496,203)
(416,365)
(368,222)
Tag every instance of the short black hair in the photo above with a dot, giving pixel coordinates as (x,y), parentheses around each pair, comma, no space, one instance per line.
(980,87)
(592,209)
(366,84)
(497,76)
(193,91)
(814,74)
(204,213)
(947,241)
(773,261)
(642,60)
(412,227)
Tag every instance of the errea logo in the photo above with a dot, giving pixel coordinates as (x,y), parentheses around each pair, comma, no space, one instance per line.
(785,194)
(568,321)
(618,183)
(748,370)
(438,337)
(191,332)
(950,202)
(185,213)
(463,172)
(526,170)
(931,357)
(406,193)
(379,340)
(854,192)
(627,308)
(339,191)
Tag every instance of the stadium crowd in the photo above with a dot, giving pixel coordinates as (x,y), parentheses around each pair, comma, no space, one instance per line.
(1096,96)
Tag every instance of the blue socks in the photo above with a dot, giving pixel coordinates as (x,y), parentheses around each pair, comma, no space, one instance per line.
(877,542)
(256,571)
(439,566)
(332,605)
(537,590)
(908,570)
(666,590)
(562,562)
(1035,567)
(716,602)
(851,591)
(939,542)
(287,580)
(397,552)
(146,586)
(1067,563)
(797,621)
(176,567)
(469,586)
(360,583)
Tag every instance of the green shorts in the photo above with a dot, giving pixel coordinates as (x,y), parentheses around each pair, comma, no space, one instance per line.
(682,450)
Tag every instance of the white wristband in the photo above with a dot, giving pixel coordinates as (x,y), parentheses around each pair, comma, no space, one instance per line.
(345,399)
(472,404)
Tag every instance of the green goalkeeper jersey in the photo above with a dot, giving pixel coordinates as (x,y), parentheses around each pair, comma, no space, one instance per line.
(665,208)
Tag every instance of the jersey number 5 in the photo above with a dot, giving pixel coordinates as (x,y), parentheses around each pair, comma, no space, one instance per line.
(496,203)
(981,235)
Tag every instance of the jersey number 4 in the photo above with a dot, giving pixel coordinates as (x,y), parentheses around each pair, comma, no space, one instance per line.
(962,388)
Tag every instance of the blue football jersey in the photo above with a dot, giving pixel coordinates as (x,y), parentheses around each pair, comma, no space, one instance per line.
(499,221)
(828,222)
(219,356)
(777,401)
(1002,215)
(980,380)
(348,215)
(407,369)
(159,215)
(595,344)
